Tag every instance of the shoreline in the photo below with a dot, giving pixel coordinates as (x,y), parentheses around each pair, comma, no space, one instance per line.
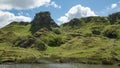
(61,61)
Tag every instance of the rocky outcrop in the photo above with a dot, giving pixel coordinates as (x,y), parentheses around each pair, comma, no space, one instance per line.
(114,18)
(92,19)
(42,20)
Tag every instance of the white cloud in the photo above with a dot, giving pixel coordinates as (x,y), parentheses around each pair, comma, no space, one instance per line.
(22,4)
(76,12)
(55,5)
(7,17)
(63,19)
(113,6)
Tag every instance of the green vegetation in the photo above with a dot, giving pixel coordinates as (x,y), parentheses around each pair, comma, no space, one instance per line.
(112,31)
(18,55)
(93,40)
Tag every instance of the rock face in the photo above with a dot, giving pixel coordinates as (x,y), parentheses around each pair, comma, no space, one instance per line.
(42,20)
(114,18)
(74,21)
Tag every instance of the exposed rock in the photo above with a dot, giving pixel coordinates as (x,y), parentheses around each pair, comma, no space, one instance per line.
(73,22)
(42,20)
(26,42)
(114,18)
(119,64)
(107,61)
(95,19)
(91,19)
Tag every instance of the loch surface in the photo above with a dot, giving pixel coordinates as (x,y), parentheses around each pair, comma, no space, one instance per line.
(56,65)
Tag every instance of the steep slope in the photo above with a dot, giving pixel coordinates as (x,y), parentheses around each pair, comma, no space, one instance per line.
(13,31)
(9,36)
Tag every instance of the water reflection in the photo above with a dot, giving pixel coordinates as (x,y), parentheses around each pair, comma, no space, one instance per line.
(57,66)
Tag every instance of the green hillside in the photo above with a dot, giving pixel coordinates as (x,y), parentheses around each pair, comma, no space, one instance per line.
(94,40)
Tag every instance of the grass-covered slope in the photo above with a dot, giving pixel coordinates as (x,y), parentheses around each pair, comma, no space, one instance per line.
(19,28)
(86,40)
(93,39)
(18,55)
(8,37)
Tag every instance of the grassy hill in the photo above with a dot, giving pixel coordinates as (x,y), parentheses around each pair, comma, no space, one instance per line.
(86,40)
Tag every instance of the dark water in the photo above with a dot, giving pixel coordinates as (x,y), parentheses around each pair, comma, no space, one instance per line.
(56,66)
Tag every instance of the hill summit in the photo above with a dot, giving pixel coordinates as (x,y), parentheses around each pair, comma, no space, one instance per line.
(42,20)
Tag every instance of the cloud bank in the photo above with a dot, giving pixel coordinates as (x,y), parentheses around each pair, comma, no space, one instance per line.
(77,11)
(25,4)
(7,17)
(22,4)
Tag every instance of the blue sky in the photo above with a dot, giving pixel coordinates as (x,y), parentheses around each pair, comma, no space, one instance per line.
(61,10)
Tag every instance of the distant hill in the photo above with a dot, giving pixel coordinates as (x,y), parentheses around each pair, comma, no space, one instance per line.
(94,40)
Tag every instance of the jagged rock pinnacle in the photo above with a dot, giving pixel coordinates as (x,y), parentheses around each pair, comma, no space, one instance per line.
(42,20)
